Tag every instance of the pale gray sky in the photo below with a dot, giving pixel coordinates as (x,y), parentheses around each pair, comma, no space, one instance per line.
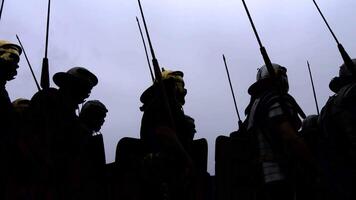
(188,35)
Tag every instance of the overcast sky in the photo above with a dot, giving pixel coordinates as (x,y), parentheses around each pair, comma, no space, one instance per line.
(188,35)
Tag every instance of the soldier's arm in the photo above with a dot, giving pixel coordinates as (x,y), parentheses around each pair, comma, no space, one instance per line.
(293,143)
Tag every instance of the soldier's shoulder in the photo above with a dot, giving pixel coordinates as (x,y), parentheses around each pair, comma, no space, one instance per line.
(346,95)
(50,94)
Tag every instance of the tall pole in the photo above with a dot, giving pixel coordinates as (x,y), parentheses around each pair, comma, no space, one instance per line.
(312,83)
(29,64)
(266,59)
(144,45)
(345,56)
(45,66)
(1,8)
(232,92)
(158,74)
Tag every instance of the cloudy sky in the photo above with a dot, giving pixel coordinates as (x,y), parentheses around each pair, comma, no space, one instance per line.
(188,35)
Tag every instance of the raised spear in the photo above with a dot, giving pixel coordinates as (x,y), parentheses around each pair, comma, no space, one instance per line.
(144,45)
(232,92)
(266,59)
(312,83)
(157,72)
(2,6)
(29,64)
(345,56)
(45,68)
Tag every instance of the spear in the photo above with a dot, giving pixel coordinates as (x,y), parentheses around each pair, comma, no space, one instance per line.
(28,62)
(157,72)
(345,56)
(312,83)
(45,68)
(144,45)
(266,59)
(2,6)
(232,92)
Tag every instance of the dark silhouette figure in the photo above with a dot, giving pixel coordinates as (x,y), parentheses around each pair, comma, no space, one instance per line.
(59,133)
(273,120)
(9,58)
(337,148)
(170,168)
(92,117)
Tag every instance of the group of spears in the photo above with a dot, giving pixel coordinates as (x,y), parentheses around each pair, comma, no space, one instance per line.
(52,150)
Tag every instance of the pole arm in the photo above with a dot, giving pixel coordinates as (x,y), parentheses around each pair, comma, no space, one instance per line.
(144,45)
(314,93)
(265,56)
(45,66)
(232,91)
(2,6)
(29,64)
(345,56)
(158,74)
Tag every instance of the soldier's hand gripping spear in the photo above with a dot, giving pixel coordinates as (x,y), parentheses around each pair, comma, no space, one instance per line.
(29,64)
(312,83)
(345,56)
(232,92)
(144,45)
(45,68)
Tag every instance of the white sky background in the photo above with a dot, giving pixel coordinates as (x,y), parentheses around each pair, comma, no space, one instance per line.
(187,35)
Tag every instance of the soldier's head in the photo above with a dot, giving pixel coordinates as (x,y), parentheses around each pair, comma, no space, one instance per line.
(264,80)
(175,84)
(9,59)
(76,82)
(21,104)
(93,115)
(345,77)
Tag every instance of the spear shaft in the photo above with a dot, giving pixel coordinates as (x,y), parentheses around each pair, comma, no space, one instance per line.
(45,66)
(266,59)
(29,64)
(312,83)
(2,6)
(144,45)
(157,71)
(345,56)
(232,91)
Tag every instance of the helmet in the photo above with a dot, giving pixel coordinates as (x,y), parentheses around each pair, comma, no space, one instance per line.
(177,77)
(280,74)
(345,71)
(76,75)
(8,49)
(94,105)
(264,73)
(167,74)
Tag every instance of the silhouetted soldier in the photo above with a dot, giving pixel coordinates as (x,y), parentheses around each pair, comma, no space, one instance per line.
(92,116)
(9,58)
(308,182)
(59,131)
(273,119)
(170,157)
(338,142)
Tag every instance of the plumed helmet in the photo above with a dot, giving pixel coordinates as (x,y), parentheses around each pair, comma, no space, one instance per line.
(7,48)
(94,105)
(344,71)
(78,75)
(167,74)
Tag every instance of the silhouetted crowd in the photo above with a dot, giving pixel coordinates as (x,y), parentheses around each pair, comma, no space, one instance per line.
(52,150)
